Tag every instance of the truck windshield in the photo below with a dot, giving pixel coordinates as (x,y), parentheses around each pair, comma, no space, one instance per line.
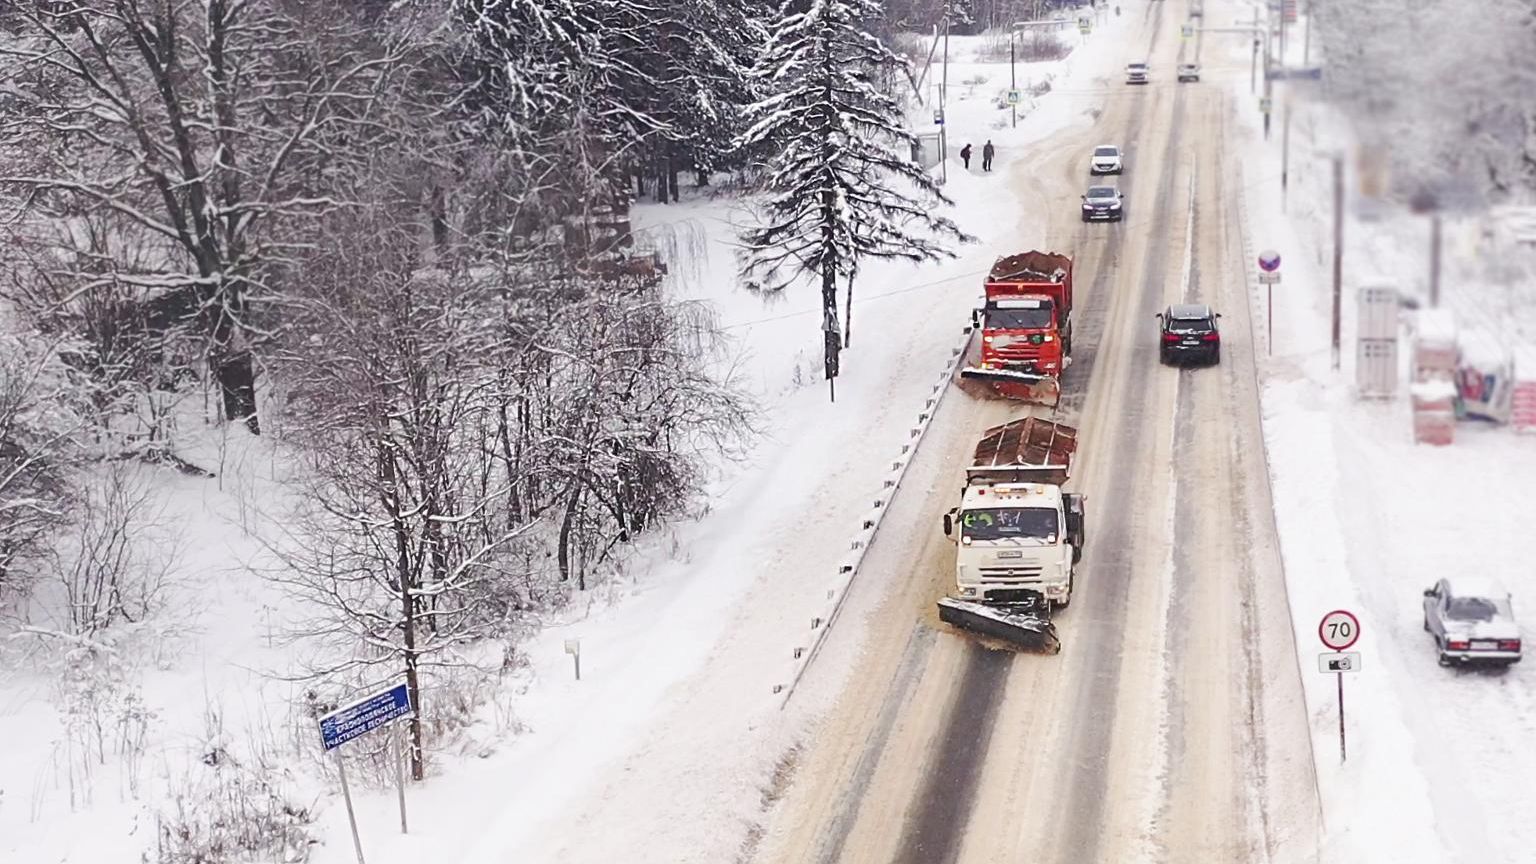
(1019,319)
(1035,523)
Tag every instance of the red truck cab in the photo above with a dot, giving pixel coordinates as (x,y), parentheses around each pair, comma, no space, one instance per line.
(1026,323)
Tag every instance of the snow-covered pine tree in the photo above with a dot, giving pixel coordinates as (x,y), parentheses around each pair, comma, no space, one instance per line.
(839,187)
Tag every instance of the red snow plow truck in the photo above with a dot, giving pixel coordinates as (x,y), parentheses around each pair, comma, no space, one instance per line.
(1026,327)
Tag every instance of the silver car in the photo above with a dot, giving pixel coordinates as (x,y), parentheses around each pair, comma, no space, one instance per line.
(1472,622)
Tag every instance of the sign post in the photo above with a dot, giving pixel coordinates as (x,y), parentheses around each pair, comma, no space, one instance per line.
(1338,630)
(355,720)
(573,648)
(1269,274)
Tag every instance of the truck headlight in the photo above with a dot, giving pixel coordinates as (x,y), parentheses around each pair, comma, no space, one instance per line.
(967,592)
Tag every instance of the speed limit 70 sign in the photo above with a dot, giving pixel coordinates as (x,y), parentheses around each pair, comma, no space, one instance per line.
(1339,629)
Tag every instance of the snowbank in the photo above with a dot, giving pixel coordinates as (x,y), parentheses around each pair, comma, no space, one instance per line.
(1437,759)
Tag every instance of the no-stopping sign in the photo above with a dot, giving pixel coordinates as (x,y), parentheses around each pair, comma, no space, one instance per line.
(1339,629)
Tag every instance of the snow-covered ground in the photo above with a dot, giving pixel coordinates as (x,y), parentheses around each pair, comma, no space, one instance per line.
(680,650)
(1437,758)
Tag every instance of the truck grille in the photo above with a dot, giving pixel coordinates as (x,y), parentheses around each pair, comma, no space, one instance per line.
(1012,574)
(1020,351)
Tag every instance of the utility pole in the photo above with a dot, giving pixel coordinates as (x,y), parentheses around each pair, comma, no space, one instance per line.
(1306,37)
(943,100)
(1268,83)
(1434,258)
(1283,29)
(1253,62)
(1013,79)
(1285,152)
(1338,251)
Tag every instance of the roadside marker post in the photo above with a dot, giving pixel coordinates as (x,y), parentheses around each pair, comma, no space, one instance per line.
(573,648)
(1269,276)
(1338,631)
(374,711)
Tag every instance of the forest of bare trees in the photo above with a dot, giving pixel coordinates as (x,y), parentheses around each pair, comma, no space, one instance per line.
(347,228)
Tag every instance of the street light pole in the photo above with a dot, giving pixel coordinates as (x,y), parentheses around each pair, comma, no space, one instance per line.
(1306,37)
(1338,251)
(1253,62)
(1434,259)
(1285,152)
(943,101)
(1268,84)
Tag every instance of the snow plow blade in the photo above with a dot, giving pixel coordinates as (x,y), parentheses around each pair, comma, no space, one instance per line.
(1027,625)
(1029,387)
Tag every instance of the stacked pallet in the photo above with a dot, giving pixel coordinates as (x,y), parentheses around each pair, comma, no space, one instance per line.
(1376,343)
(1434,377)
(1522,411)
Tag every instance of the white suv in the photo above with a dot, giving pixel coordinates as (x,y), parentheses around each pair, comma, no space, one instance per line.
(1105,160)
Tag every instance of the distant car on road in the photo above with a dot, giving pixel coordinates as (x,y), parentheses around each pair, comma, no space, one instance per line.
(1472,622)
(1104,203)
(1105,160)
(1189,72)
(1189,330)
(1136,73)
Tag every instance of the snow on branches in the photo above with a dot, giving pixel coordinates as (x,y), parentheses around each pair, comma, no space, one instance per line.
(838,189)
(197,136)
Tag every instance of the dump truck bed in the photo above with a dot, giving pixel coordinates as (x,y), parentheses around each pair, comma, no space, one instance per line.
(1032,266)
(1030,450)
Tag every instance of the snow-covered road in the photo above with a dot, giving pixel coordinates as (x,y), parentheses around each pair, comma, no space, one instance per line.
(1171,727)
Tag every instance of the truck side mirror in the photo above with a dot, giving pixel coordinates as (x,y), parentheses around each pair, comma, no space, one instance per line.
(949,525)
(1428,592)
(975,317)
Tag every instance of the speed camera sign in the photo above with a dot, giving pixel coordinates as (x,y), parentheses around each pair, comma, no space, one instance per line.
(1339,629)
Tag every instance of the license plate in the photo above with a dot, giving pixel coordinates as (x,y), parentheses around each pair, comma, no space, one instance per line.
(1012,554)
(1485,645)
(1191,341)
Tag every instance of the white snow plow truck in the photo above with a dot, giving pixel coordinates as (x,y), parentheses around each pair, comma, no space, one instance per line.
(1018,536)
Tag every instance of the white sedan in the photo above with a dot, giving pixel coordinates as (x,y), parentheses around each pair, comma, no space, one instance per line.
(1105,160)
(1472,622)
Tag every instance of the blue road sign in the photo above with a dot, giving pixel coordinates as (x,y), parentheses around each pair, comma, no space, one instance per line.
(364,716)
(1300,73)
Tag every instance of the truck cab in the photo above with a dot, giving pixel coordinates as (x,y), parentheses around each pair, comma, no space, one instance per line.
(1026,326)
(1018,535)
(1015,538)
(1022,332)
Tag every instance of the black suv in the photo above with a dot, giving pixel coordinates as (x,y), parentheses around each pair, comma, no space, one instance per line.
(1189,330)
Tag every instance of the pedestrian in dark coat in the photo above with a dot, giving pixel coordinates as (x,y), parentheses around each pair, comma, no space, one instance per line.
(965,156)
(986,156)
